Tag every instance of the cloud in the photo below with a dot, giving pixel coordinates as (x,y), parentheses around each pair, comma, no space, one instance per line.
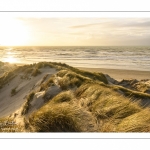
(85,25)
(139,23)
(117,23)
(90,31)
(76,33)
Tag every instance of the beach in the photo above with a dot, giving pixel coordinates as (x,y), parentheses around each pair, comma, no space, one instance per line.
(120,74)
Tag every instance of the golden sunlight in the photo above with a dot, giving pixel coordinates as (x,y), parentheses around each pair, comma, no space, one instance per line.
(10,59)
(13,33)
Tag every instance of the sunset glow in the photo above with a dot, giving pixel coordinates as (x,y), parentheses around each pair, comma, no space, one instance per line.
(50,31)
(10,59)
(13,32)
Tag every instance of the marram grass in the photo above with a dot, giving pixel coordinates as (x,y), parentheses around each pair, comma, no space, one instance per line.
(85,103)
(63,118)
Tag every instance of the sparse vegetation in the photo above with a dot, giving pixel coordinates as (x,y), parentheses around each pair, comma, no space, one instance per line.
(28,70)
(6,78)
(35,72)
(27,103)
(69,79)
(48,83)
(13,91)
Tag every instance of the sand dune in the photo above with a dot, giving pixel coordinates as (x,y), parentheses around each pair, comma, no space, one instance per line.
(10,104)
(55,97)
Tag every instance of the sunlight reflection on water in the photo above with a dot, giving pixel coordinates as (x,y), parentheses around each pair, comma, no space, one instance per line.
(130,58)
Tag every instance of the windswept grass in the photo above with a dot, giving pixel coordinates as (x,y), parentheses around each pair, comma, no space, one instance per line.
(6,78)
(27,103)
(62,66)
(62,97)
(137,122)
(48,83)
(108,106)
(83,102)
(70,79)
(94,76)
(28,70)
(35,72)
(62,118)
(131,93)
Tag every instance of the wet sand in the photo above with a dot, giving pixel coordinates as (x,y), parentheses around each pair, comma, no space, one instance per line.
(120,74)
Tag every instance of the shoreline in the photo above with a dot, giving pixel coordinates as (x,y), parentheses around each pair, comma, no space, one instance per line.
(120,74)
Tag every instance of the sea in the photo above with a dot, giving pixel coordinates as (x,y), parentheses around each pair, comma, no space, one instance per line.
(109,57)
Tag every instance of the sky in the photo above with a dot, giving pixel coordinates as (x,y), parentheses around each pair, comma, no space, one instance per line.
(74,31)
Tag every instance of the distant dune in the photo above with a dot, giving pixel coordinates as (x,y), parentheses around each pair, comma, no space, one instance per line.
(55,97)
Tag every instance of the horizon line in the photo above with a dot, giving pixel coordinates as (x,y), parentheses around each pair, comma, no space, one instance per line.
(67,45)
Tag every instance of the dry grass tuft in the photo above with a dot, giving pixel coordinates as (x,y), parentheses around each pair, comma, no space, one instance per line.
(27,104)
(62,118)
(35,72)
(137,122)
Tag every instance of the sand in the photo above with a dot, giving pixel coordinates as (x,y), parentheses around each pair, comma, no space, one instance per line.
(119,74)
(8,103)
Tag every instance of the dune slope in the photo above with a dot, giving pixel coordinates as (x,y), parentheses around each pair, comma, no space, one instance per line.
(55,97)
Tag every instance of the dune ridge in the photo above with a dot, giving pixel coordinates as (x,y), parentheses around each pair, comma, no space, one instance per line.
(55,97)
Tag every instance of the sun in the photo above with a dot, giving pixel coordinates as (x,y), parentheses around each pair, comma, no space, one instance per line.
(13,33)
(10,59)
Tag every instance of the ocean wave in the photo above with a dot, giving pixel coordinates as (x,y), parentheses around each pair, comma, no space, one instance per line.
(111,57)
